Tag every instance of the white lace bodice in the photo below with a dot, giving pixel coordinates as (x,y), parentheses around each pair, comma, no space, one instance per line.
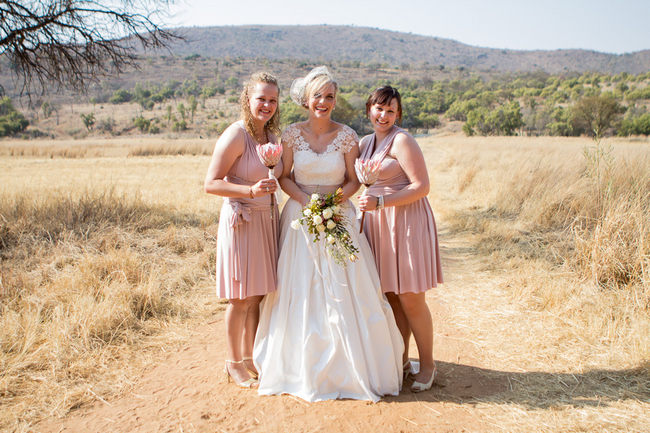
(327,168)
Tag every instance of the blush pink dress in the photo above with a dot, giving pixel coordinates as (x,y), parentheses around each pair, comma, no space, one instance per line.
(403,238)
(247,239)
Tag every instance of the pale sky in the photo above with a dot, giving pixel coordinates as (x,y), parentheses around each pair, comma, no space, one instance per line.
(612,26)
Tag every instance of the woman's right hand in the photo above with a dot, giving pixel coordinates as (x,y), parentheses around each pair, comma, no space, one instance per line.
(264,187)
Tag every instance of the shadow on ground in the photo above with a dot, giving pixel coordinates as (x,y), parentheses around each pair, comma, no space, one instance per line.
(465,384)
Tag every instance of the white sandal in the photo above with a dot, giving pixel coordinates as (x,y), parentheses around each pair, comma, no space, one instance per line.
(420,386)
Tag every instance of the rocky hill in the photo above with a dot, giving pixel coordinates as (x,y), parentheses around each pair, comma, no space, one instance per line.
(329,43)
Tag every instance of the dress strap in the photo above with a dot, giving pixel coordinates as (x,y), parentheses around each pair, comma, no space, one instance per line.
(379,151)
(250,141)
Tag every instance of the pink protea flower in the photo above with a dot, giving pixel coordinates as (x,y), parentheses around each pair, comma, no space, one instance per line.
(270,154)
(367,170)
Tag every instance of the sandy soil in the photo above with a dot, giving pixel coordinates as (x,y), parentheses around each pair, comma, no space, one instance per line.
(188,392)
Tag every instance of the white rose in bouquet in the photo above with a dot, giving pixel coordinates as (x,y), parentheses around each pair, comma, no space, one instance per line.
(328,213)
(295,224)
(306,212)
(331,224)
(317,219)
(320,228)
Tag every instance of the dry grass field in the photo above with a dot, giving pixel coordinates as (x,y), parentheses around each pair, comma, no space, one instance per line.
(568,259)
(107,262)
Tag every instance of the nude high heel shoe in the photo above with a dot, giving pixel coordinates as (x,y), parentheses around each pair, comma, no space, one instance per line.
(248,383)
(253,373)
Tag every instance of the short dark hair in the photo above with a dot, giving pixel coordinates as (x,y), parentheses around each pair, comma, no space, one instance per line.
(383,95)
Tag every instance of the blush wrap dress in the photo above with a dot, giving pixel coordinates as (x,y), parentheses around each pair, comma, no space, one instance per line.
(403,239)
(247,238)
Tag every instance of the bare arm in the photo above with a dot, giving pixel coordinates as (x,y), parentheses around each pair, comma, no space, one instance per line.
(351,184)
(229,147)
(409,155)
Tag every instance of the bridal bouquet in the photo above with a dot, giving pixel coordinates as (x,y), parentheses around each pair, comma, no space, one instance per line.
(323,216)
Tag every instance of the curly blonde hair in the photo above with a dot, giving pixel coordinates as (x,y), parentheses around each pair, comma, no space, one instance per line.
(273,125)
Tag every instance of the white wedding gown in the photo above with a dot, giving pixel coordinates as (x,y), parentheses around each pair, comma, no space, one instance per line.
(327,332)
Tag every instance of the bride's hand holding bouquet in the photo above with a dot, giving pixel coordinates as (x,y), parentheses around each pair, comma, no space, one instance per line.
(323,216)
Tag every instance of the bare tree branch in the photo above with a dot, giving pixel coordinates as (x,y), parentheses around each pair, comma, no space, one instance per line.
(71,43)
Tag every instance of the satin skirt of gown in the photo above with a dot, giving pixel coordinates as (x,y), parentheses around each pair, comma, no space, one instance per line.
(328,331)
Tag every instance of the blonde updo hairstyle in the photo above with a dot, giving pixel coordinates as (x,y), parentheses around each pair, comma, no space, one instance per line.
(303,88)
(273,125)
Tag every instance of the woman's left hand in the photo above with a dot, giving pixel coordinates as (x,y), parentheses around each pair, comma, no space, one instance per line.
(367,202)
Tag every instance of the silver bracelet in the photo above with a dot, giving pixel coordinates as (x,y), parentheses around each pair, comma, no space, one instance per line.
(380,202)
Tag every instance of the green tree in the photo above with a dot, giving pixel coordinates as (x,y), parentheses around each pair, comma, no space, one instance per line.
(635,125)
(142,124)
(291,113)
(596,113)
(182,111)
(169,115)
(193,106)
(11,121)
(120,96)
(88,120)
(47,109)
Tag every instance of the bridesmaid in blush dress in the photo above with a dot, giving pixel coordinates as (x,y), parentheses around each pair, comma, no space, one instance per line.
(400,227)
(247,248)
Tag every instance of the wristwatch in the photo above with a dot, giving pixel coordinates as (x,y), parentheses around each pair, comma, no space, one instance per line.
(380,202)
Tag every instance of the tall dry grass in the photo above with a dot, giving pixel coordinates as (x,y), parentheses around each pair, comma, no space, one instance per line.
(602,223)
(574,244)
(105,147)
(553,288)
(88,280)
(180,148)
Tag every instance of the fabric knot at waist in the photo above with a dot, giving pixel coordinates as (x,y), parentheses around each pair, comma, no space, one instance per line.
(242,208)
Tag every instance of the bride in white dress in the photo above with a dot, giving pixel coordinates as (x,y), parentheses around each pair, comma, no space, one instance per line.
(327,332)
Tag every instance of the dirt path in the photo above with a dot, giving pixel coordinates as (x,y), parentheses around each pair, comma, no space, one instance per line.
(187,392)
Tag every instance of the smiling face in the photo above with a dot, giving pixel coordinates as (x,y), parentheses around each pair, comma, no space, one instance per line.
(263,101)
(383,116)
(322,101)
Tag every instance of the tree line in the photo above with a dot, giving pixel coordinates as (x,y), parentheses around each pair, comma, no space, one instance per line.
(508,104)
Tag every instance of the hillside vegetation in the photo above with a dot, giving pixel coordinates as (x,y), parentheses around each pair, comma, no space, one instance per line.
(203,100)
(327,43)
